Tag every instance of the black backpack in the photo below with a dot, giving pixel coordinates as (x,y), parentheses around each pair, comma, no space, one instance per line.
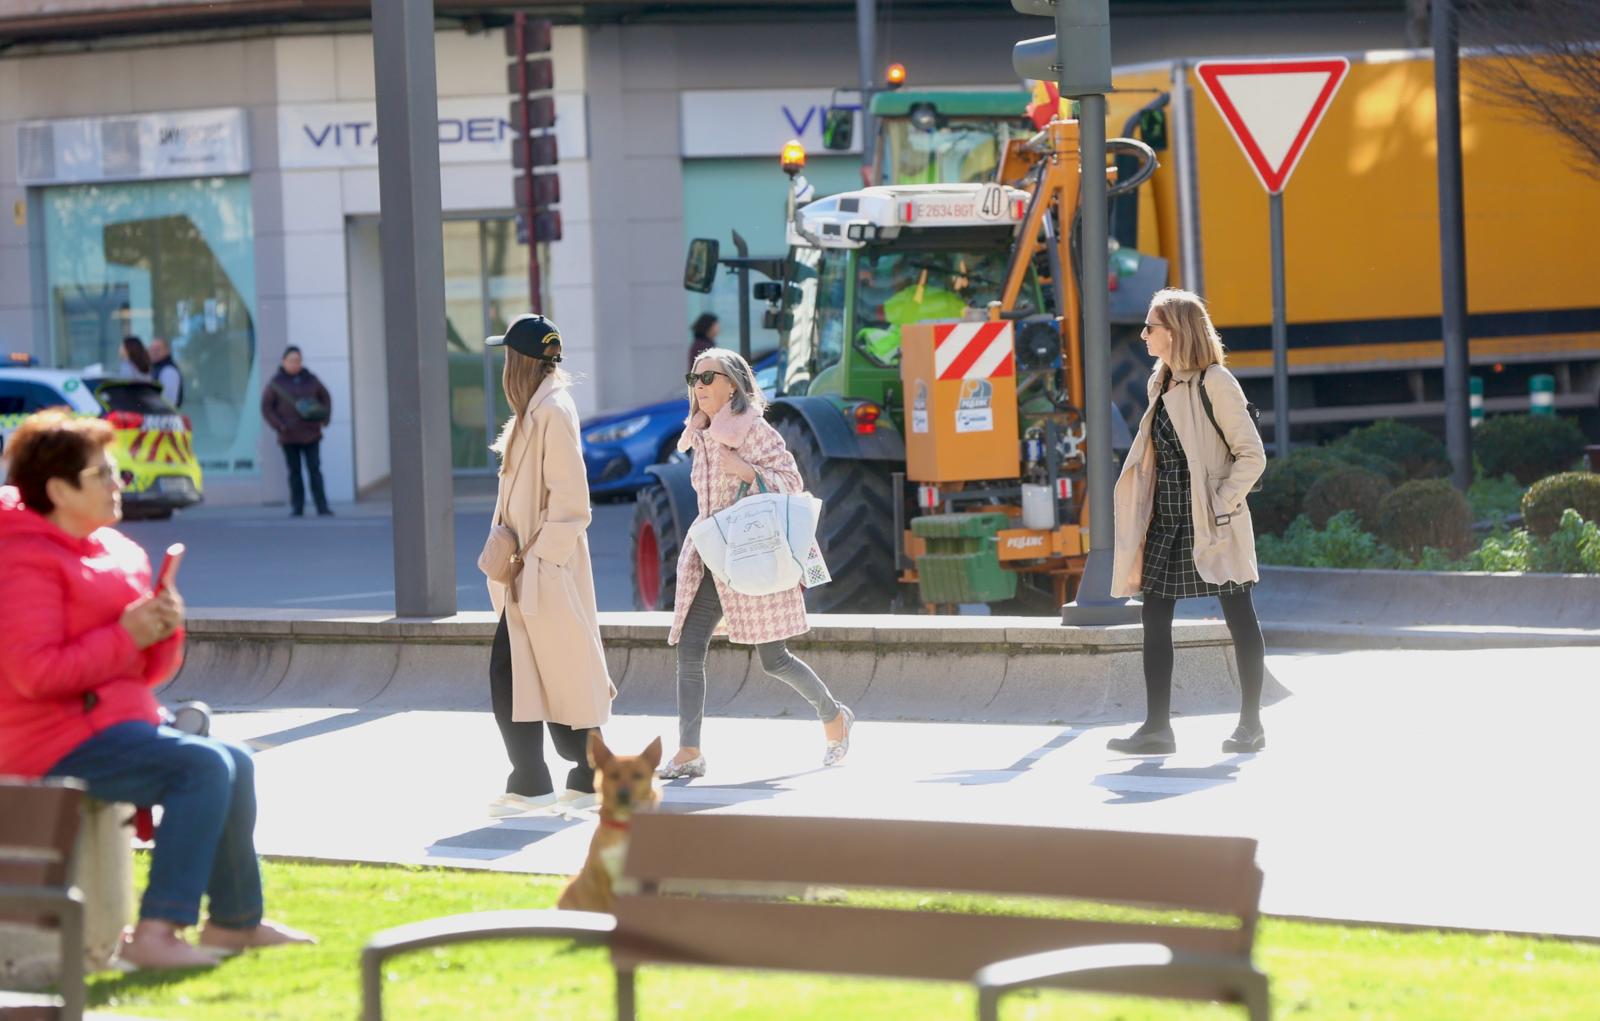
(1250,409)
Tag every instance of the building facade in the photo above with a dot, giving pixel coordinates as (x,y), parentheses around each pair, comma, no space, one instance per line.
(218,188)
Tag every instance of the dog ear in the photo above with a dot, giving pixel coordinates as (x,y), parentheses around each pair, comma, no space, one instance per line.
(599,755)
(652,754)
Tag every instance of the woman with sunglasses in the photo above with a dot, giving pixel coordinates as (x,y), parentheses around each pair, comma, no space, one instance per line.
(1182,524)
(84,642)
(736,451)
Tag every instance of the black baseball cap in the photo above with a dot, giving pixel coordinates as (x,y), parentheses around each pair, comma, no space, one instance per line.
(532,335)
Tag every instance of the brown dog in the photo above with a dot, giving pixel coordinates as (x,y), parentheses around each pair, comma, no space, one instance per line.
(626,785)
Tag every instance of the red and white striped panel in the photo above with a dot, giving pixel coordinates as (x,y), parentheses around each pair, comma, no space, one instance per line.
(973,351)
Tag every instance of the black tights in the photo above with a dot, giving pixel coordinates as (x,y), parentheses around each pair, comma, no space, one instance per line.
(1248,646)
(530,777)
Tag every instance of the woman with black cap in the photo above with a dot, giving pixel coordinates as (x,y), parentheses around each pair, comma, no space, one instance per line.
(547,666)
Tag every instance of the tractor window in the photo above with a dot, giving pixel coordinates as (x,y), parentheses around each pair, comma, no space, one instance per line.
(895,287)
(830,307)
(953,153)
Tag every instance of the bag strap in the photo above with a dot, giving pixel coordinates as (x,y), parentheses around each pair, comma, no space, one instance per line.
(744,488)
(1206,402)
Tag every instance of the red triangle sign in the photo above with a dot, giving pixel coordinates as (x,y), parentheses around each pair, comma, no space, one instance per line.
(1273,107)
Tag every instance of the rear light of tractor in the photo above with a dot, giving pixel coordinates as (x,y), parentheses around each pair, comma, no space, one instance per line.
(125,419)
(928,497)
(867,418)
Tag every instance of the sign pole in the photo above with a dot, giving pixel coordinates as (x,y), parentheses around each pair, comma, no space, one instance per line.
(1280,333)
(525,139)
(1452,242)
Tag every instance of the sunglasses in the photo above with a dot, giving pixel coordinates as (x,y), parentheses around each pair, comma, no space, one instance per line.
(705,378)
(1154,326)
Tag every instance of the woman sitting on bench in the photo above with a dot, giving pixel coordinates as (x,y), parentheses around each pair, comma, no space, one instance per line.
(83,641)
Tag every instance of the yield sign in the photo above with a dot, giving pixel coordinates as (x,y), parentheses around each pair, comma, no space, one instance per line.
(1272,107)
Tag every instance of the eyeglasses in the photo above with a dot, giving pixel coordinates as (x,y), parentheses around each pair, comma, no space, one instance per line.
(105,473)
(705,378)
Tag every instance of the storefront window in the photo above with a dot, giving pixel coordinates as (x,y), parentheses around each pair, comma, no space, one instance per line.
(170,259)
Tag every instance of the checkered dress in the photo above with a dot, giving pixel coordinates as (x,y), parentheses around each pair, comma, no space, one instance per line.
(1169,571)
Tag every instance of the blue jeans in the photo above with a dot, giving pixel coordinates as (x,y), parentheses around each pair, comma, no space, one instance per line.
(207,791)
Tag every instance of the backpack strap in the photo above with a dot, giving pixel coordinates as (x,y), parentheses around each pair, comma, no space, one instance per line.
(1206,402)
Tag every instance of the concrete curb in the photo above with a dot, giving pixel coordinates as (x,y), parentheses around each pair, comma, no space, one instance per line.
(1283,635)
(991,669)
(1407,599)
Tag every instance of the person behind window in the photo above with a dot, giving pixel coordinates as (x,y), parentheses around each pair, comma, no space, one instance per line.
(165,371)
(705,330)
(84,643)
(135,362)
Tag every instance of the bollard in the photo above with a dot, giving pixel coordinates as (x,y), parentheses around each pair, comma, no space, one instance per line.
(1475,400)
(1542,395)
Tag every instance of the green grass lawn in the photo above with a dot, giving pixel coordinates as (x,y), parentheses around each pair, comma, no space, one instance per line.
(1318,971)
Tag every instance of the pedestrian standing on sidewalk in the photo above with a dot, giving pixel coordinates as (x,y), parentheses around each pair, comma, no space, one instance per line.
(84,643)
(704,336)
(297,406)
(733,446)
(547,667)
(1182,524)
(135,363)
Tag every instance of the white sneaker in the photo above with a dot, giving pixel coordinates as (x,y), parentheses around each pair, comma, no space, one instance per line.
(570,798)
(516,804)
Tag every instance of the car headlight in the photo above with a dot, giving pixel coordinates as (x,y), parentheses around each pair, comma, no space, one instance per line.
(618,430)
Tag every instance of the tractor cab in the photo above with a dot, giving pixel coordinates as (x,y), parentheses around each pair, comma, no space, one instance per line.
(864,264)
(928,136)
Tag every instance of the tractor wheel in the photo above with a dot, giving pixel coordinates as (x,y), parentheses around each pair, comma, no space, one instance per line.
(856,533)
(655,550)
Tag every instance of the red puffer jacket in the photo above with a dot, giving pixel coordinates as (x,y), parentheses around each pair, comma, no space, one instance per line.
(68,669)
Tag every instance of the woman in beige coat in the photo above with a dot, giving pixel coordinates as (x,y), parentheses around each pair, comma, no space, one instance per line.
(547,666)
(1182,523)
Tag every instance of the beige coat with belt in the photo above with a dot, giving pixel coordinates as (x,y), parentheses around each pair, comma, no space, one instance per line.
(558,667)
(1221,475)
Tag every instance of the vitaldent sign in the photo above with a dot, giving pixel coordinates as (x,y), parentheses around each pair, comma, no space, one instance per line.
(755,122)
(472,129)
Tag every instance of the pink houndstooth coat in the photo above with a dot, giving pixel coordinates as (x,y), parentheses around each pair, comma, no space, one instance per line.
(747,620)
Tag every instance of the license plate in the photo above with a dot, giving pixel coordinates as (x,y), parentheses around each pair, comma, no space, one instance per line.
(174,485)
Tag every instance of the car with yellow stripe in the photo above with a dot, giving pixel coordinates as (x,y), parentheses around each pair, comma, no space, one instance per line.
(154,448)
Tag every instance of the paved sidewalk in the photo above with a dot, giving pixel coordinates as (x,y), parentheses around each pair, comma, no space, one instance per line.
(1406,787)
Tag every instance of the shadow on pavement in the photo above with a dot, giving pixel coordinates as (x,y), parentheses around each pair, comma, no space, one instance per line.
(1152,780)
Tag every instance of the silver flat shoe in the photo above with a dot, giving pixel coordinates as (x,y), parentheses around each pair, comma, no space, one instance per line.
(837,750)
(695,767)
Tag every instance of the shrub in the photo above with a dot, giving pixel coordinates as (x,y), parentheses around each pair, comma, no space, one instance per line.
(1503,551)
(1494,500)
(1341,543)
(1347,488)
(1545,501)
(1419,454)
(1573,548)
(1527,446)
(1426,512)
(1284,486)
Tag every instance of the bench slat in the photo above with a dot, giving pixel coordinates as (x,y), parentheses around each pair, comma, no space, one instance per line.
(1162,870)
(868,941)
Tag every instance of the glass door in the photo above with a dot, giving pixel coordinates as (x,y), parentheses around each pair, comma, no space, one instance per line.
(486,286)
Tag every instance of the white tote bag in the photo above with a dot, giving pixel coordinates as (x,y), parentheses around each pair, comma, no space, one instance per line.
(764,543)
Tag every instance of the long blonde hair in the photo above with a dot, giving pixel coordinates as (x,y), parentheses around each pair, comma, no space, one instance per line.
(1195,342)
(521,379)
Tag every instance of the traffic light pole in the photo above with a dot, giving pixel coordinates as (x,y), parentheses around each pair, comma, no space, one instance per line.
(413,297)
(867,52)
(525,139)
(1452,243)
(1094,604)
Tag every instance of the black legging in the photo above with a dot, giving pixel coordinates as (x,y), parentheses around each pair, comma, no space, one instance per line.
(530,777)
(1248,647)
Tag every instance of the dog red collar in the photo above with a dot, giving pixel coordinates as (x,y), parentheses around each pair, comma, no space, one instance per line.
(612,824)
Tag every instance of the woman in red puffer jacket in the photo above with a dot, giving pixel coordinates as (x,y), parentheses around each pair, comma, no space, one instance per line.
(83,643)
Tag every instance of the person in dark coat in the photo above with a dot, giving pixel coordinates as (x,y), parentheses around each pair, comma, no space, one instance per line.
(296,405)
(705,330)
(165,371)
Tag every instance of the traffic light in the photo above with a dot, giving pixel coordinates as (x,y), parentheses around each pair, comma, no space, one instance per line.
(1078,56)
(529,78)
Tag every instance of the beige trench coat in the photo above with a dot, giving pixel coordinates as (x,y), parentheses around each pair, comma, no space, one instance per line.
(1221,475)
(558,667)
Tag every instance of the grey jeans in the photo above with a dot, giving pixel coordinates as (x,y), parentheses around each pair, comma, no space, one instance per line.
(776,660)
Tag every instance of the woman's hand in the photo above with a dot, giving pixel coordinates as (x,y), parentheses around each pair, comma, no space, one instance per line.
(153,618)
(737,466)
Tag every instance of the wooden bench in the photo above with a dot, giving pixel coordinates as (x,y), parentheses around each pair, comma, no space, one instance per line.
(670,856)
(38,826)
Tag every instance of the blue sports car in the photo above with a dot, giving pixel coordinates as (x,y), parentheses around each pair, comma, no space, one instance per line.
(618,446)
